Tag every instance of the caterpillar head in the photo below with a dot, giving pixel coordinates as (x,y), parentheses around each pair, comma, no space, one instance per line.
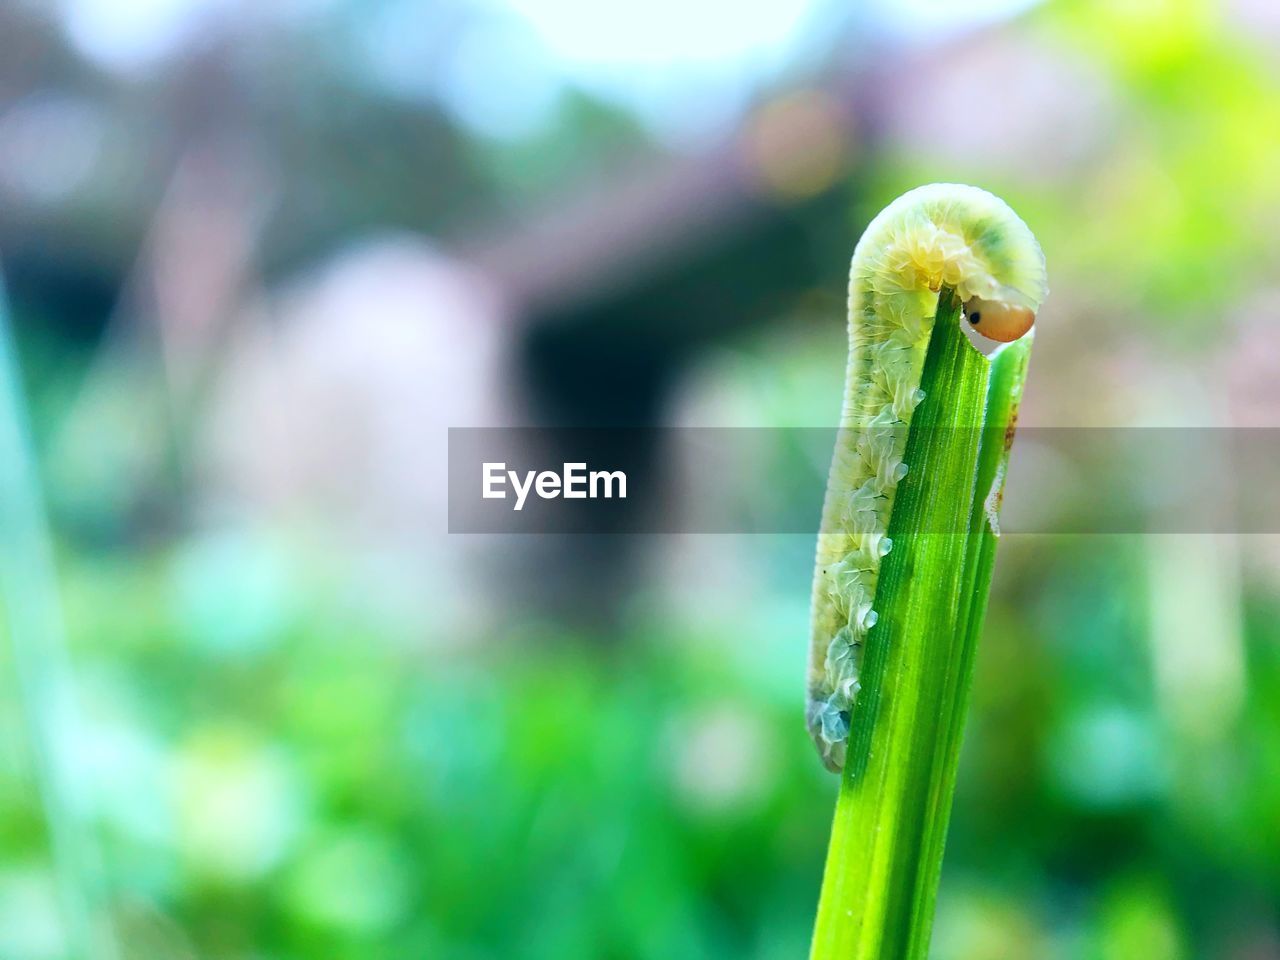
(998,319)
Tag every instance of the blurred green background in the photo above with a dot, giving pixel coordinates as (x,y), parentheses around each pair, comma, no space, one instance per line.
(257,704)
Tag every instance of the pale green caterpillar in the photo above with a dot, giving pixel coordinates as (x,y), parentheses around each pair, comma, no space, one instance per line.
(940,236)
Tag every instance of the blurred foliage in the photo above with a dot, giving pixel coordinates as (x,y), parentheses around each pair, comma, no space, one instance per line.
(283,778)
(284,771)
(1166,212)
(287,781)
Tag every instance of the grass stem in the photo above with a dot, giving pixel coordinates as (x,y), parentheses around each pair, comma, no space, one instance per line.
(885,857)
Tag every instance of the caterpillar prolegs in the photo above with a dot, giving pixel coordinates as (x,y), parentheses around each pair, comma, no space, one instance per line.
(940,236)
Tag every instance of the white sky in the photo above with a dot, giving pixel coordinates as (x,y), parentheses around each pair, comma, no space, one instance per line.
(684,66)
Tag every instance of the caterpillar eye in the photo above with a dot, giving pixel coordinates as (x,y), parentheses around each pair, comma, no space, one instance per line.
(997,320)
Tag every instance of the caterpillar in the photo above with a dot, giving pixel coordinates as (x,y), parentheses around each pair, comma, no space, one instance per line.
(939,236)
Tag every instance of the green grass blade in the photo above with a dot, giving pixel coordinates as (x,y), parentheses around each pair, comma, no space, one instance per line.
(885,857)
(31,623)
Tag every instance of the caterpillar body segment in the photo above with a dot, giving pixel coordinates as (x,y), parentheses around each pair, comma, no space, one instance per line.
(940,236)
